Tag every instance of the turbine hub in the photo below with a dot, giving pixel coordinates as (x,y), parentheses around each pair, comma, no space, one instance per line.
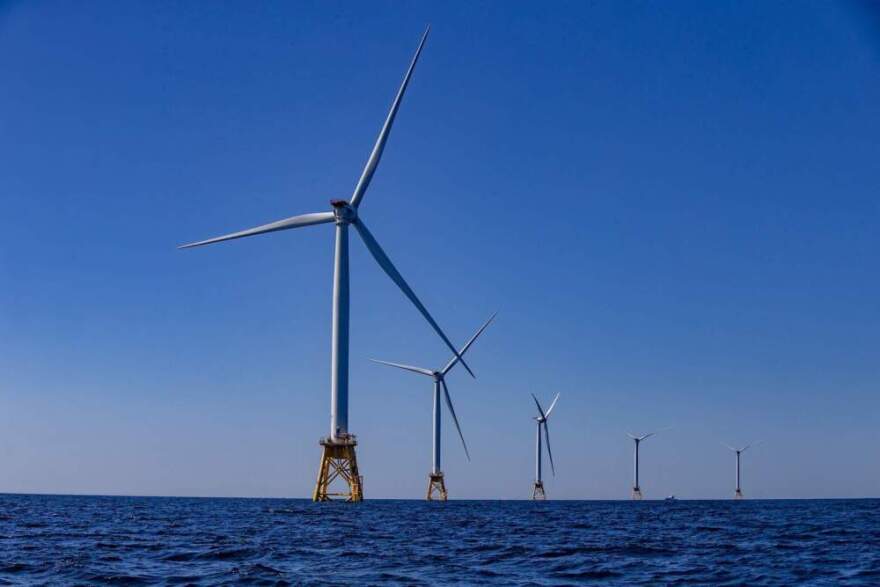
(343,211)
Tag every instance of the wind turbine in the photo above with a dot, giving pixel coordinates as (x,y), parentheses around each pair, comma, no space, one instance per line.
(739,494)
(338,456)
(436,483)
(637,490)
(541,419)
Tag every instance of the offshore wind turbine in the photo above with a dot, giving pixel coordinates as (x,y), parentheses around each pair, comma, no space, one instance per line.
(436,483)
(637,489)
(541,420)
(738,494)
(338,458)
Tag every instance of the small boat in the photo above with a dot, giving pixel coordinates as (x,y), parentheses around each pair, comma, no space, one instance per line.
(670,498)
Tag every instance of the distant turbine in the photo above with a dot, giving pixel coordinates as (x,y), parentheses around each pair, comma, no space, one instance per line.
(637,490)
(738,494)
(541,419)
(436,483)
(338,457)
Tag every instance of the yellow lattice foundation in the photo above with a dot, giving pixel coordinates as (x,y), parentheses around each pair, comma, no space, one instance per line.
(538,491)
(738,494)
(339,463)
(436,487)
(637,494)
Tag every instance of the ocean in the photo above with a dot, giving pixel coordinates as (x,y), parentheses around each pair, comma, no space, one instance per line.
(82,540)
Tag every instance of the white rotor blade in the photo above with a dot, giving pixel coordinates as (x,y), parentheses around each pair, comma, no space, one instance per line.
(633,436)
(373,161)
(748,446)
(549,452)
(540,411)
(427,372)
(454,418)
(552,405)
(650,434)
(728,446)
(467,345)
(287,223)
(389,268)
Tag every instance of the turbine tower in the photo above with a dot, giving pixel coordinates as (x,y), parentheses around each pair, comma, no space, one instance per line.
(637,489)
(541,420)
(338,458)
(436,483)
(739,494)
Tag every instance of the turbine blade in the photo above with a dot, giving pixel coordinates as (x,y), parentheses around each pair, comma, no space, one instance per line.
(287,223)
(549,452)
(389,268)
(751,445)
(540,411)
(467,345)
(454,418)
(633,436)
(552,405)
(655,433)
(373,161)
(728,446)
(407,367)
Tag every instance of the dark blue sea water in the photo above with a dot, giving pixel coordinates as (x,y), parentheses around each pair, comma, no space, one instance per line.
(122,540)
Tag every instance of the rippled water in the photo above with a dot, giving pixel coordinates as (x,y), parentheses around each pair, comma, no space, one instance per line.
(94,540)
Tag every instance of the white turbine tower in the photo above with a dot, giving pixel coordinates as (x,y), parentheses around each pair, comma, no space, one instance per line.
(637,489)
(541,420)
(436,483)
(338,456)
(738,494)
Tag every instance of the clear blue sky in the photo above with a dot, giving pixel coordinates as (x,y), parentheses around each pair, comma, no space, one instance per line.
(673,206)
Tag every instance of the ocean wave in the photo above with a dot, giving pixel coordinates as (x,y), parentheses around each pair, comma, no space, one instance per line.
(139,541)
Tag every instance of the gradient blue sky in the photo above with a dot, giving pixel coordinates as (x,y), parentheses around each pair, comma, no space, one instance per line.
(673,206)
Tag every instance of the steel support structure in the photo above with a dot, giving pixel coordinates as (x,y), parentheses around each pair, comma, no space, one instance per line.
(339,463)
(538,491)
(436,487)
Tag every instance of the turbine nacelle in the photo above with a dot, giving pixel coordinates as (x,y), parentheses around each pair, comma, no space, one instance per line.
(343,211)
